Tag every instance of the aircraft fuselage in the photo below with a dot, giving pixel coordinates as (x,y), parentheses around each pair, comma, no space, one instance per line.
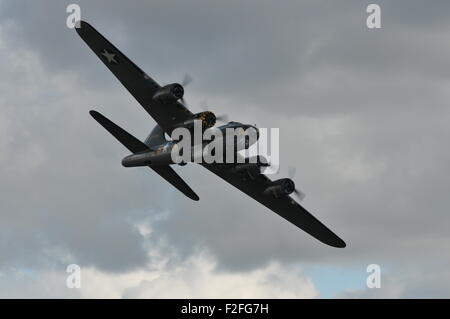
(164,154)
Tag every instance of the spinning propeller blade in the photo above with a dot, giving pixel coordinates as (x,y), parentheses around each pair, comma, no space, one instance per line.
(219,118)
(291,172)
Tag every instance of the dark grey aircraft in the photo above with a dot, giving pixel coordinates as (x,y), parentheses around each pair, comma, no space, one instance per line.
(163,103)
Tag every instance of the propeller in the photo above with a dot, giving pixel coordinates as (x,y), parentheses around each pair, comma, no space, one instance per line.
(264,164)
(291,172)
(220,118)
(186,80)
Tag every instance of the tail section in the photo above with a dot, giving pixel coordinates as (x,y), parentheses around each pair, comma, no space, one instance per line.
(136,146)
(156,137)
(127,140)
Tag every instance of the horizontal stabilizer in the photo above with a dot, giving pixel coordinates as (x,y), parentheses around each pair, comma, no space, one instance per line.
(127,140)
(136,146)
(173,178)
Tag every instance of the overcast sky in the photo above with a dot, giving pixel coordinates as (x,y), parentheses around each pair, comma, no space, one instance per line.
(363,116)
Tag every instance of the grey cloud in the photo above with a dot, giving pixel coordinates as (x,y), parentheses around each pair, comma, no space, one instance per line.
(363,116)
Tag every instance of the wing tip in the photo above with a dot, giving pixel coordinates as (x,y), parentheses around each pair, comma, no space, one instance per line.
(82,24)
(336,242)
(189,192)
(194,197)
(83,27)
(96,115)
(341,244)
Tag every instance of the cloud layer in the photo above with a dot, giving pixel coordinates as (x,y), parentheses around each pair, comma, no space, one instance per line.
(362,113)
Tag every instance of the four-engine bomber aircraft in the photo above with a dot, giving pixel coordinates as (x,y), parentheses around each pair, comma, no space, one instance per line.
(163,105)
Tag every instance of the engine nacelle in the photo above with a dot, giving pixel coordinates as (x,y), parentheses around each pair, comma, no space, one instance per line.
(249,167)
(207,118)
(280,188)
(169,93)
(252,165)
(258,159)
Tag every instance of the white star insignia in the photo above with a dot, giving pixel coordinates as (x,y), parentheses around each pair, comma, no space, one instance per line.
(109,56)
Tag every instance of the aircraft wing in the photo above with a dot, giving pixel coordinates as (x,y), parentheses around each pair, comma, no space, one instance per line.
(286,207)
(137,82)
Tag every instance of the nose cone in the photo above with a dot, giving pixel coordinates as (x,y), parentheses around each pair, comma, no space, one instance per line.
(211,119)
(177,91)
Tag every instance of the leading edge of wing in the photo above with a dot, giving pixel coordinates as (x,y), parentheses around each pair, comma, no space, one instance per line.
(286,207)
(141,86)
(96,41)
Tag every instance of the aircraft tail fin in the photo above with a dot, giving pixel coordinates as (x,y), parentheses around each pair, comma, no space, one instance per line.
(156,137)
(135,146)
